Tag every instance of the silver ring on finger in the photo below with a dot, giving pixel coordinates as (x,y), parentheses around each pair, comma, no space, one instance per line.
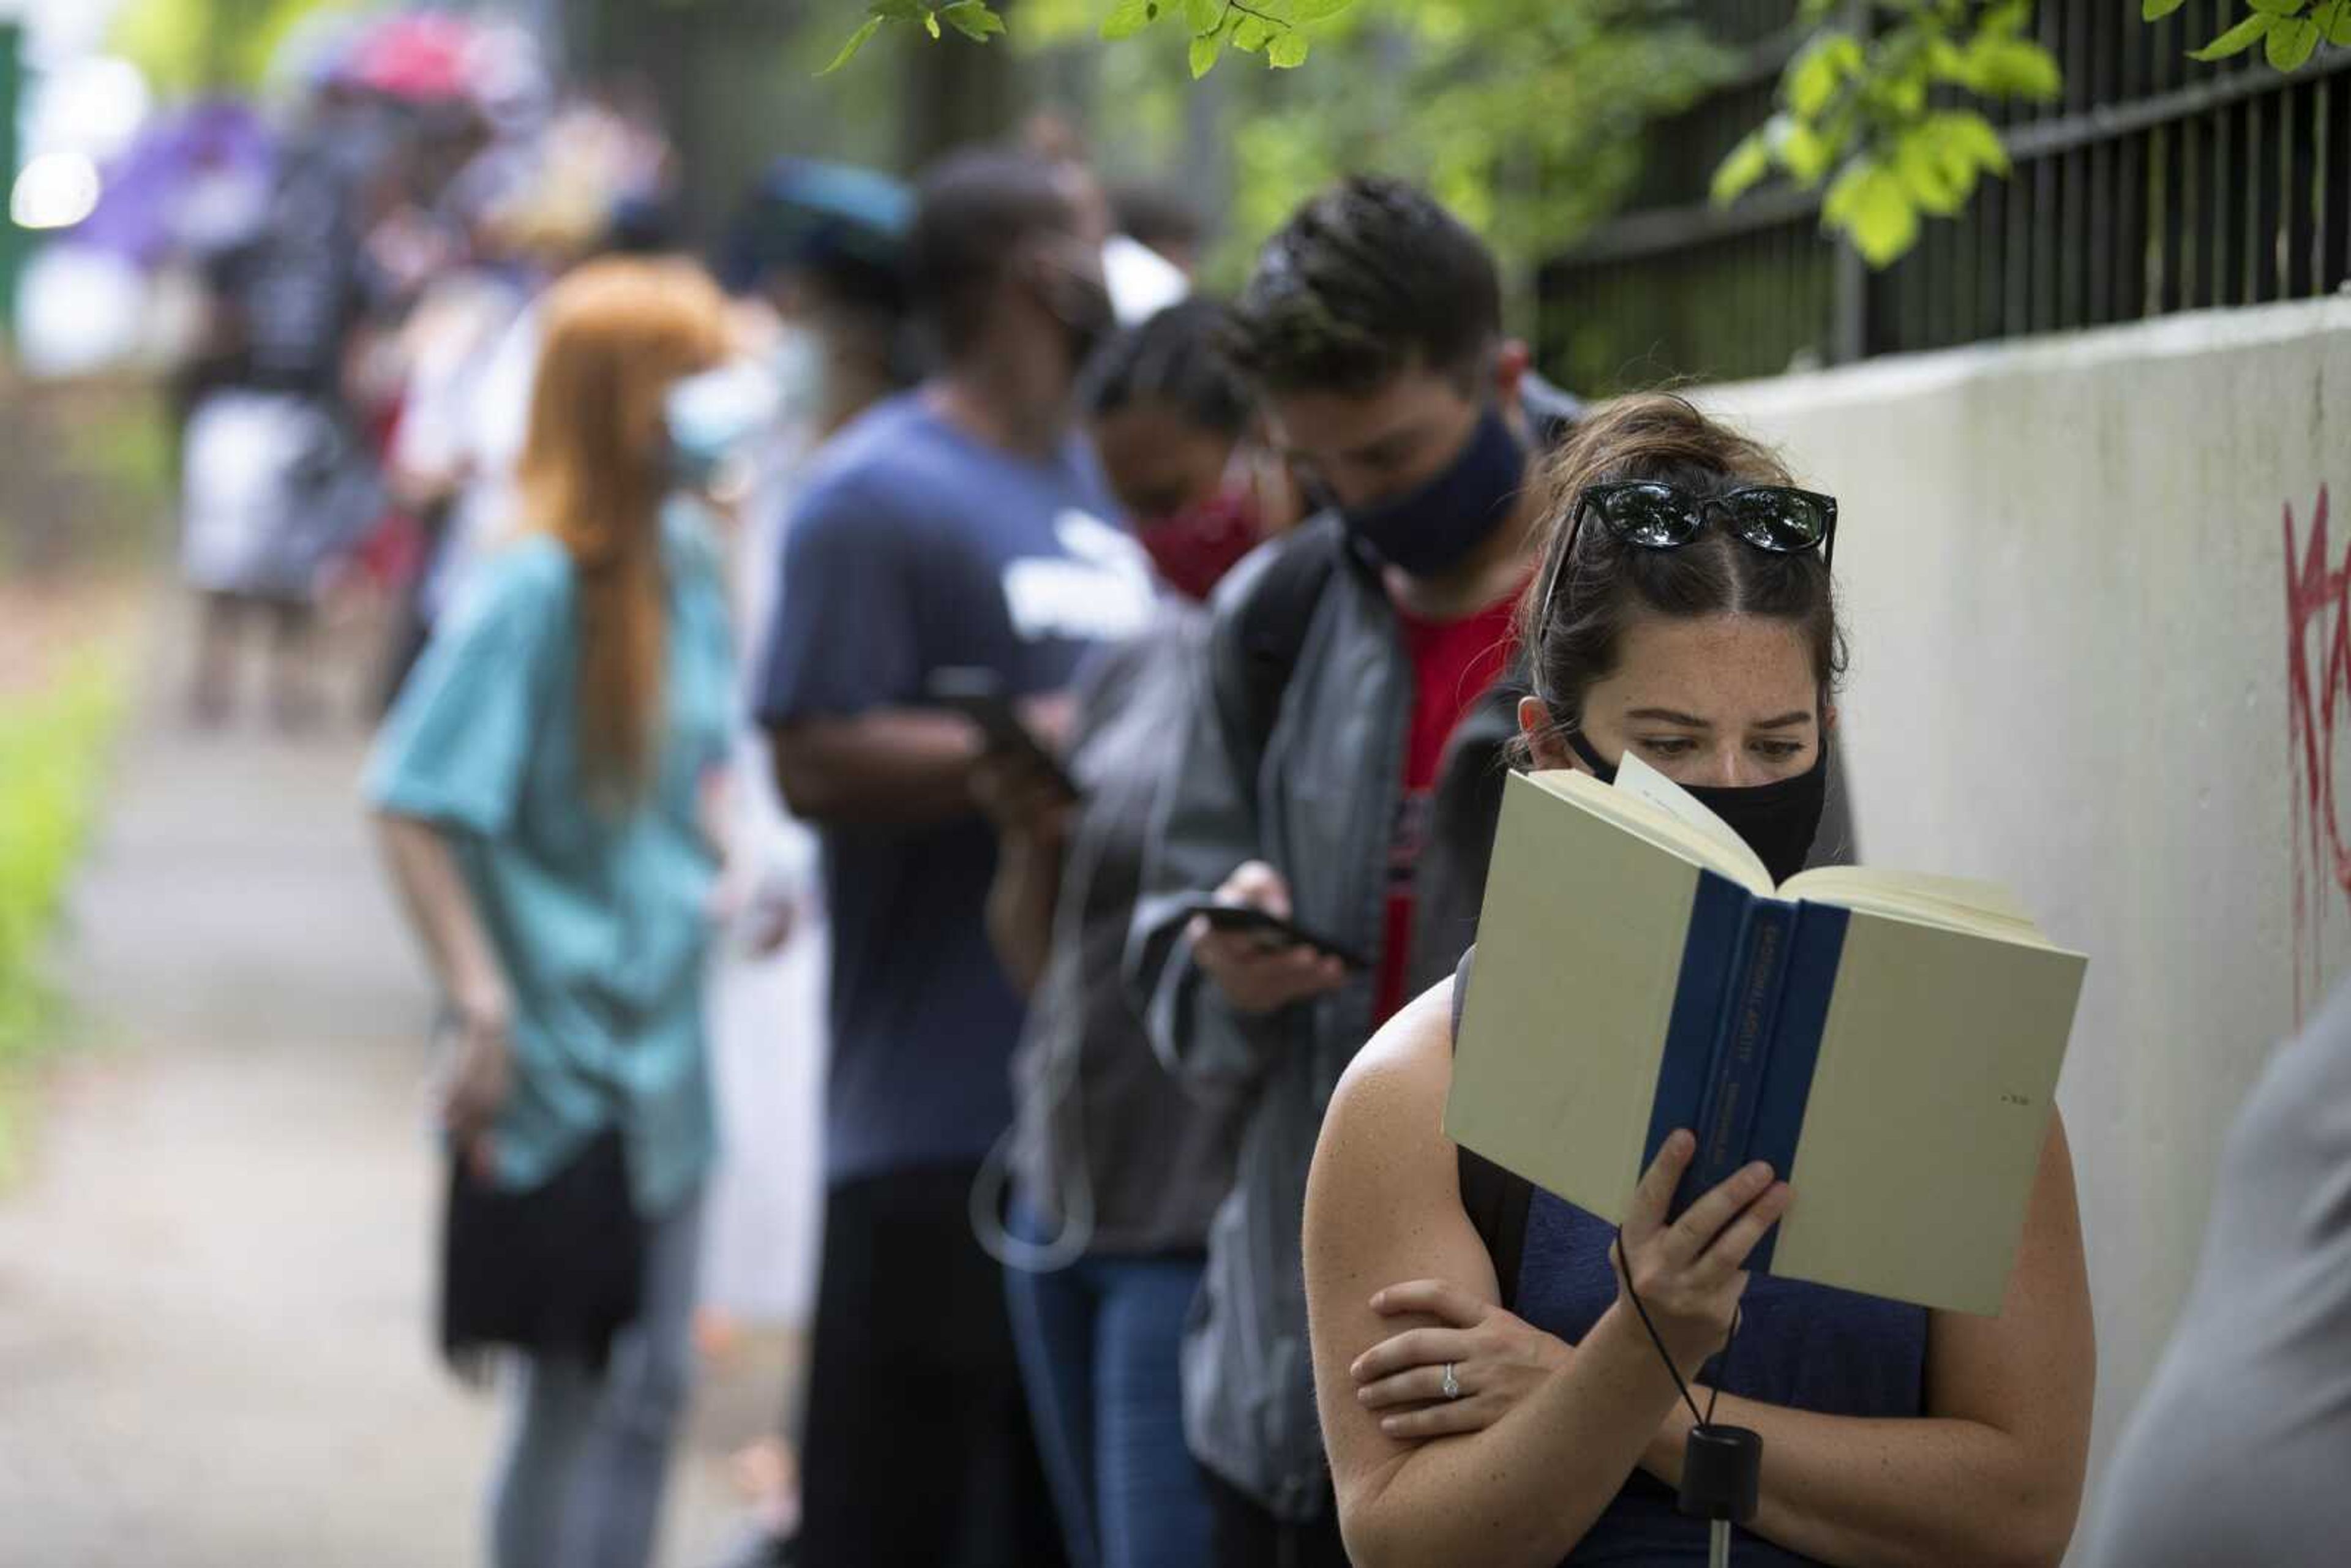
(1451,1386)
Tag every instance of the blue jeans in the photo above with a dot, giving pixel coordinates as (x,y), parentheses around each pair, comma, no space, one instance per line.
(586,1457)
(1099,1346)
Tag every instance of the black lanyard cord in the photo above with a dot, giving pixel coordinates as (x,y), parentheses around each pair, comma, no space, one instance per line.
(1714,1397)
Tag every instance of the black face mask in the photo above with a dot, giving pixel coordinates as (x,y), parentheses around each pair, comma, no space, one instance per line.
(1436,527)
(1777,821)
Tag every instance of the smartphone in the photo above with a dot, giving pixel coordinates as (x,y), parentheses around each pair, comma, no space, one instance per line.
(1275,931)
(979,696)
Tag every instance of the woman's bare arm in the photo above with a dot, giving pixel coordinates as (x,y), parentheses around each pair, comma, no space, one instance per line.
(441,911)
(432,891)
(1992,1474)
(1383,1204)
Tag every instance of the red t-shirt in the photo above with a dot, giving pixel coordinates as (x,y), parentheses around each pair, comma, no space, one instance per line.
(1454,663)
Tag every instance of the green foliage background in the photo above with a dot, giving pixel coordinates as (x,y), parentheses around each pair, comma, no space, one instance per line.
(53,747)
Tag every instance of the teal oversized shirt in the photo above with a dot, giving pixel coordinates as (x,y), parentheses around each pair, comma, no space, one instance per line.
(599,919)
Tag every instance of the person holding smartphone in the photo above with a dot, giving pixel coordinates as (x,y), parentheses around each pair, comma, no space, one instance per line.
(1115,1168)
(961,525)
(1341,766)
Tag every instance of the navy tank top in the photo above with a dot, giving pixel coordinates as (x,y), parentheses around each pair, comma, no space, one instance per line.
(1805,1347)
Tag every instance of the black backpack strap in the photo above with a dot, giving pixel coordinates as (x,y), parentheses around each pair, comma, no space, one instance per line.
(1273,620)
(1495,1199)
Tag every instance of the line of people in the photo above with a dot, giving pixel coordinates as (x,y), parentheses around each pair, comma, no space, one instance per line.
(1115,1188)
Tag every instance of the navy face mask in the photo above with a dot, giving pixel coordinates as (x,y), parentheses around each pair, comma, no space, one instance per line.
(1437,526)
(1778,820)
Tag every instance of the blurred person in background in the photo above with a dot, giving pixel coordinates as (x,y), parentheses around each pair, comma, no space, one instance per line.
(463,406)
(962,525)
(1359,660)
(1157,216)
(544,789)
(2240,1448)
(1141,282)
(578,189)
(816,256)
(1115,1169)
(277,477)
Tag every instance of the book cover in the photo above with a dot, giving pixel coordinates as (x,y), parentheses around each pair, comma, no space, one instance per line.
(1897,1063)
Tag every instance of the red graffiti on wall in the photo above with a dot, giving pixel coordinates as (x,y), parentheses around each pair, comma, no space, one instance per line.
(2317,600)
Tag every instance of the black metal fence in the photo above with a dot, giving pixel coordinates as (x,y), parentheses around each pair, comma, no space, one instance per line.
(2156,183)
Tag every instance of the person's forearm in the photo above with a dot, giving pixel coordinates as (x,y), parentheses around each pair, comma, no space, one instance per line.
(1907,1493)
(1020,904)
(1525,1490)
(898,767)
(440,910)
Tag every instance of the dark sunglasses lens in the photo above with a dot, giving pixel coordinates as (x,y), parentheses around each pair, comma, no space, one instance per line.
(1651,514)
(1778,519)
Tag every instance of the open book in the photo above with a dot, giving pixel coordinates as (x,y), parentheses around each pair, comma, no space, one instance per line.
(1889,1042)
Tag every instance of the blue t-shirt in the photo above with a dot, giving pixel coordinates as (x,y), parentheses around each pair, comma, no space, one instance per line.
(599,919)
(915,547)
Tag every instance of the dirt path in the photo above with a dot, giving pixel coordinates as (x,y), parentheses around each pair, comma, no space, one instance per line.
(212,1280)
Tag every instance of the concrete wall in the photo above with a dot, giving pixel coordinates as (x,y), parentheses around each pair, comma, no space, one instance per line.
(2086,664)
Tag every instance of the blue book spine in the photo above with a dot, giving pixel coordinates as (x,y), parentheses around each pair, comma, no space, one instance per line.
(1711,954)
(1742,1053)
(1816,948)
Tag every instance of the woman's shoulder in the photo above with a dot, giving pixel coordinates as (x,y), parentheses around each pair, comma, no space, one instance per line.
(1383,1169)
(1396,1087)
(525,569)
(510,595)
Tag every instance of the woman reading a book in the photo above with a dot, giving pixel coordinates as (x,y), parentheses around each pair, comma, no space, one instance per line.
(1488,1389)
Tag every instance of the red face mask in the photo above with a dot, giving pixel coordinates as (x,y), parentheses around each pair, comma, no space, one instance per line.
(1196,546)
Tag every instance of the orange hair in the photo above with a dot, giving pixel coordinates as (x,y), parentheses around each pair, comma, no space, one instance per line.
(594,472)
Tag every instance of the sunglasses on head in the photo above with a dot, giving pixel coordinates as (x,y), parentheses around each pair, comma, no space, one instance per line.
(1778,518)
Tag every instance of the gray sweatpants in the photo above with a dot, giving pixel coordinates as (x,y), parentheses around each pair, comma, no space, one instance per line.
(586,1457)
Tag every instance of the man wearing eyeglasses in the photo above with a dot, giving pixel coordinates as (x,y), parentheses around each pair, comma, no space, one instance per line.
(1343,765)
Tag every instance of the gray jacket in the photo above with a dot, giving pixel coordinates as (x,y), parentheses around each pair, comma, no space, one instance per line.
(1317,801)
(1103,1132)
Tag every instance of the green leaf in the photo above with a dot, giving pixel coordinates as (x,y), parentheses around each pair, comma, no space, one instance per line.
(2291,43)
(1934,182)
(931,23)
(1205,48)
(1968,136)
(1872,204)
(1204,16)
(973,20)
(1799,149)
(1250,34)
(2005,20)
(1824,65)
(2277,7)
(2156,10)
(857,40)
(2335,17)
(1289,50)
(1745,164)
(1321,10)
(1129,17)
(2237,39)
(1906,94)
(2012,67)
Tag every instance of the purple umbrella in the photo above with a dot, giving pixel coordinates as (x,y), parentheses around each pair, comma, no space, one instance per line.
(195,181)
